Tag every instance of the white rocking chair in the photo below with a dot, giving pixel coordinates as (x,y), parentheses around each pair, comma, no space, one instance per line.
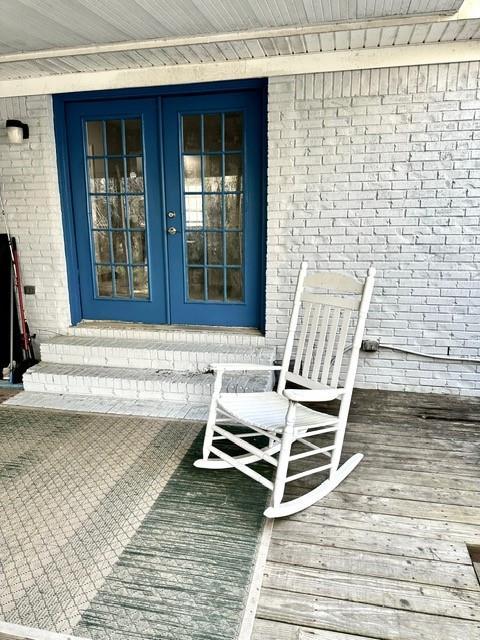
(328,301)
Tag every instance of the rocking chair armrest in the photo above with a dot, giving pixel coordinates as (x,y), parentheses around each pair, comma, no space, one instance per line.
(312,395)
(238,366)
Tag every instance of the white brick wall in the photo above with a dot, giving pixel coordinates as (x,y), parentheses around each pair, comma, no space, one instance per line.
(29,175)
(383,167)
(379,166)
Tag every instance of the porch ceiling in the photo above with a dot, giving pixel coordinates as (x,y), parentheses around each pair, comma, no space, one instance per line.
(30,25)
(47,46)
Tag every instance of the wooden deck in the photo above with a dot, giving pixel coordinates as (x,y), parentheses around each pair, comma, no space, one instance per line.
(385,556)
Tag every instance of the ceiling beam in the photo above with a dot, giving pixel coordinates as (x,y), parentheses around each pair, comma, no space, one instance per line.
(381,57)
(271,32)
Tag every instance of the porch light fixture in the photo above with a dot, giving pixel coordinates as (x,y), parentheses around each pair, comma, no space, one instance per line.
(17,131)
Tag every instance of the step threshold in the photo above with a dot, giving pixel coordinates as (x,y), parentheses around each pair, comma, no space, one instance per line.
(190,328)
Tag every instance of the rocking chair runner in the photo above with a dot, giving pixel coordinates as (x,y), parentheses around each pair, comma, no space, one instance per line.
(328,301)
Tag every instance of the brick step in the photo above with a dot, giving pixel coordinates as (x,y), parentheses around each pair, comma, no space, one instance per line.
(136,384)
(169,333)
(132,353)
(102,404)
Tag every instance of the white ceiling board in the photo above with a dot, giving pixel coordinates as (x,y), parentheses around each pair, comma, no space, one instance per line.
(31,25)
(258,48)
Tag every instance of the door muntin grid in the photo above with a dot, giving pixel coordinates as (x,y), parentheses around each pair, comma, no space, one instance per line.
(212,175)
(114,161)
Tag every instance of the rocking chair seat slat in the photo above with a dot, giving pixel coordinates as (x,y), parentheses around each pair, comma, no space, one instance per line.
(268,411)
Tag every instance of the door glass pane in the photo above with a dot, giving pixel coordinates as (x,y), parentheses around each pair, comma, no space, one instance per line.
(196,284)
(209,171)
(95,146)
(117,211)
(233,131)
(234,285)
(102,246)
(195,250)
(233,172)
(99,211)
(140,282)
(193,212)
(213,132)
(119,244)
(192,133)
(215,248)
(133,136)
(139,255)
(215,284)
(114,137)
(96,175)
(104,280)
(213,173)
(213,211)
(116,175)
(192,173)
(118,231)
(136,211)
(122,286)
(134,175)
(233,211)
(234,248)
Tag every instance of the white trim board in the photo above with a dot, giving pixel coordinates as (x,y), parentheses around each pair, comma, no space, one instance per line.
(10,631)
(380,57)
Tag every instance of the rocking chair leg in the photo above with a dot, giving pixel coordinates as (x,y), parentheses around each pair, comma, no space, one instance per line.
(284,457)
(337,451)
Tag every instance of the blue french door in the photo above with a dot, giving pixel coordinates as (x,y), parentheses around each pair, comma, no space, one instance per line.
(213,174)
(114,173)
(167,207)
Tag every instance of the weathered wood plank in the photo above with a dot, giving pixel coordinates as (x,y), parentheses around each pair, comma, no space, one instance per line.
(396,594)
(392,488)
(457,434)
(468,462)
(389,543)
(414,478)
(378,459)
(403,507)
(362,619)
(273,630)
(374,522)
(428,443)
(374,564)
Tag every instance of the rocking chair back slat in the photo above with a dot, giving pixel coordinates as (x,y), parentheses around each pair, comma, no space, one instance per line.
(332,337)
(321,342)
(340,352)
(301,339)
(311,341)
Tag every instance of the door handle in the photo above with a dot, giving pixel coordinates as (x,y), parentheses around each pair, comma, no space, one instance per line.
(172,231)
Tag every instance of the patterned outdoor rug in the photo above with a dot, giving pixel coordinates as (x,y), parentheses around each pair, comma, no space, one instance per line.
(107,530)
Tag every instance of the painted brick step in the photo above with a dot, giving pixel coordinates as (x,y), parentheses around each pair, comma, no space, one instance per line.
(136,384)
(169,333)
(148,354)
(120,406)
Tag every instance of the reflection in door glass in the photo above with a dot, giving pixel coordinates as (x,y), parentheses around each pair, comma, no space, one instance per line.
(212,187)
(117,207)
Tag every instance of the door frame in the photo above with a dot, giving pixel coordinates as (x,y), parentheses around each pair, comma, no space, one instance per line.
(60,102)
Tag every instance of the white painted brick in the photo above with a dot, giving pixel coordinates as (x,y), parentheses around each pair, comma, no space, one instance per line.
(392,161)
(30,182)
